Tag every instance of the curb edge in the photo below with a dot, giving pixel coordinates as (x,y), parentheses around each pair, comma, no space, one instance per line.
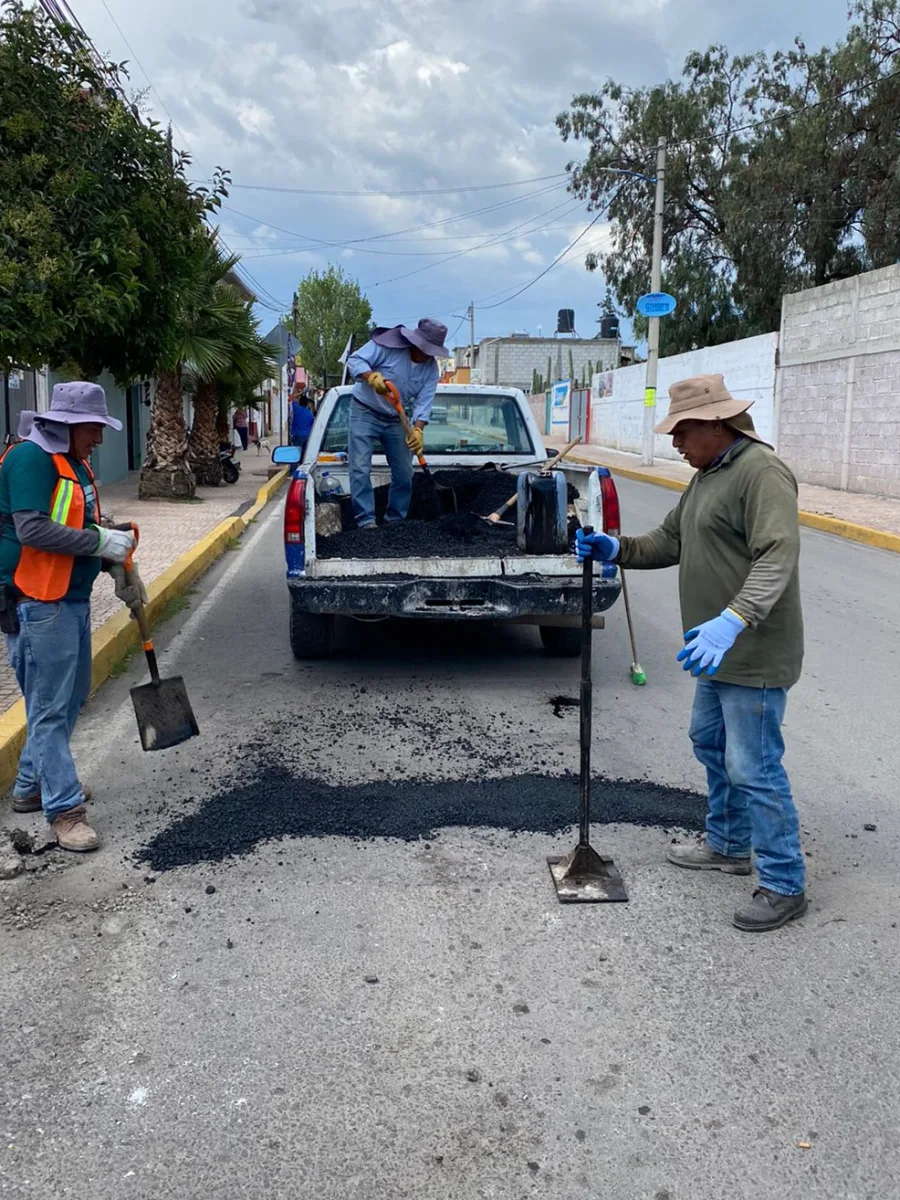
(877,539)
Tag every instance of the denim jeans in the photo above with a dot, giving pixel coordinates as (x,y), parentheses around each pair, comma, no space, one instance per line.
(736,732)
(366,428)
(51,656)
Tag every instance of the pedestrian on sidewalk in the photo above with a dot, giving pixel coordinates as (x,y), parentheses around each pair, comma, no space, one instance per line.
(301,421)
(735,537)
(408,359)
(52,548)
(242,426)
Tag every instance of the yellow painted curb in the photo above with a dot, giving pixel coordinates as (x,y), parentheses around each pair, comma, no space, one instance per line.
(116,636)
(878,539)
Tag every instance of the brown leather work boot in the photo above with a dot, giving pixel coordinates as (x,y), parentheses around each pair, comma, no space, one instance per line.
(73,832)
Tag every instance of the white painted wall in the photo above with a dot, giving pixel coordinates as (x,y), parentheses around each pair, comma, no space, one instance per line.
(749,370)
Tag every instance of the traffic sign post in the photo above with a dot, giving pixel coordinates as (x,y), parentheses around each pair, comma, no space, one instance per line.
(655,286)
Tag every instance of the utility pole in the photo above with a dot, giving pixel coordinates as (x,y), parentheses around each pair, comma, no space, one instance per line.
(471,339)
(655,286)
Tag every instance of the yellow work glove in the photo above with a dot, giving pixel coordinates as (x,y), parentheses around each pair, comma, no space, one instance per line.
(376,382)
(416,441)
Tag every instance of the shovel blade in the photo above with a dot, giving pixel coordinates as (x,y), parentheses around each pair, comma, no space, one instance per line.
(164,714)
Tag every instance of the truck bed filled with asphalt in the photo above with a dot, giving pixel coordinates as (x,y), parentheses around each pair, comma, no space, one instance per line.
(471,495)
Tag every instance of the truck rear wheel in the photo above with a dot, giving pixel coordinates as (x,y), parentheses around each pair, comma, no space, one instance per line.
(560,642)
(312,634)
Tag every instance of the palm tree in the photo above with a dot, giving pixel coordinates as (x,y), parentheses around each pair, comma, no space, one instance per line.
(249,363)
(198,342)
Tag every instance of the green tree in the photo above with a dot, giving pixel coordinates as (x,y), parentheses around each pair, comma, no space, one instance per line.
(329,309)
(781,174)
(96,216)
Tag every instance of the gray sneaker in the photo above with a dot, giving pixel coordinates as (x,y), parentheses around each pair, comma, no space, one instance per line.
(769,910)
(699,856)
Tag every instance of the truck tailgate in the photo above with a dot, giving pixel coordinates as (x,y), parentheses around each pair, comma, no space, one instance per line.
(444,568)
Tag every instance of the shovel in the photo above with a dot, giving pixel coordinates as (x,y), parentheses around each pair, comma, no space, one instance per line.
(441,498)
(164,714)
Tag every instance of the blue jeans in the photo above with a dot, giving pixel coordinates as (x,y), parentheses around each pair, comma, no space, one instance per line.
(736,732)
(51,656)
(366,428)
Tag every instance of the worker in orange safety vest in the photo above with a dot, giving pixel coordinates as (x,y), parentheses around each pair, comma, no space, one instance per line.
(52,548)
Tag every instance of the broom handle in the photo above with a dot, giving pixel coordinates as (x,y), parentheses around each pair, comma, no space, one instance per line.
(548,466)
(628,616)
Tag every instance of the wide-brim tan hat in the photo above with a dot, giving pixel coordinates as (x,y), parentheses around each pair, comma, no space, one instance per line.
(706,398)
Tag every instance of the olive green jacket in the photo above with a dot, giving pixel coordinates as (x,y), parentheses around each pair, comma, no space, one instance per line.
(736,537)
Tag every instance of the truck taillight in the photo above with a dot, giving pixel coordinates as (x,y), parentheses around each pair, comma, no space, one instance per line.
(612,521)
(295,512)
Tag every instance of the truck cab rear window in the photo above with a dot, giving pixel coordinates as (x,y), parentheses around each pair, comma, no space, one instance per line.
(461,424)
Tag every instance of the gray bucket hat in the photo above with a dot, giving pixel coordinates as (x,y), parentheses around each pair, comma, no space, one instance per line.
(428,336)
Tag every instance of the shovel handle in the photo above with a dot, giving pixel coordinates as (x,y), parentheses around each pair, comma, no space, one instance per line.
(140,614)
(395,399)
(548,466)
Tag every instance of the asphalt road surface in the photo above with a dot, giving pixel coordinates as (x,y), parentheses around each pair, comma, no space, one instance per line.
(346,990)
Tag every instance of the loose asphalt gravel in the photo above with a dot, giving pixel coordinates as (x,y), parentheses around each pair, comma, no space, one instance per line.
(346,993)
(449,534)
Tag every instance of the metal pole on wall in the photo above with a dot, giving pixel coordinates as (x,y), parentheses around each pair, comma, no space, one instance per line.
(655,286)
(471,339)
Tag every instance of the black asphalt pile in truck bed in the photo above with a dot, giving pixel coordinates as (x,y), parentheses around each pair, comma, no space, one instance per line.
(451,535)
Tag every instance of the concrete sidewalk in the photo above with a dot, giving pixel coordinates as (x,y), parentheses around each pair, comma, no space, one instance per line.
(168,530)
(873,512)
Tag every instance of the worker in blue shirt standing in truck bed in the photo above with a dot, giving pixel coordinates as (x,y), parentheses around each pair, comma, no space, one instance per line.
(408,359)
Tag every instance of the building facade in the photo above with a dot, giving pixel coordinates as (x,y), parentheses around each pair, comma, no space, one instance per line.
(515,360)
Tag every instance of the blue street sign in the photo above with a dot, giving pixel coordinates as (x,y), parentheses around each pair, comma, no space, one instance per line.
(656,304)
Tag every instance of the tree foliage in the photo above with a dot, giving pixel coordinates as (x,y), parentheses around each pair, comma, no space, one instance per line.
(781,174)
(97,220)
(330,307)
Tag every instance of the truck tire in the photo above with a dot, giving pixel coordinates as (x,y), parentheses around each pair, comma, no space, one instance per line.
(312,634)
(560,642)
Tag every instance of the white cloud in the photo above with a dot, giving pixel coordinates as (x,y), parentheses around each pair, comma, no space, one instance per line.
(413,94)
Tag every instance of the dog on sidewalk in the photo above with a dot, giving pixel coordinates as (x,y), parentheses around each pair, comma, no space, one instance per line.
(262,444)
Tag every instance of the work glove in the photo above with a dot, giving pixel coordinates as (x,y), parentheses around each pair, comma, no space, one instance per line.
(129,587)
(708,644)
(416,441)
(601,547)
(115,544)
(377,382)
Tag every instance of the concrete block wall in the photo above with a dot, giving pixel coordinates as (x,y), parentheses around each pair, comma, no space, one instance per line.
(748,366)
(838,395)
(511,362)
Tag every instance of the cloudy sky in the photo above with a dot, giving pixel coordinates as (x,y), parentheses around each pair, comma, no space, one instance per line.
(415,96)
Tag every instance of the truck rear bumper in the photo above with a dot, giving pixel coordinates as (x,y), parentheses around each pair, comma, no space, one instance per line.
(488,599)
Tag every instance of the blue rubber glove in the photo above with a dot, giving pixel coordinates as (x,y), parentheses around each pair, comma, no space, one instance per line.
(601,547)
(708,644)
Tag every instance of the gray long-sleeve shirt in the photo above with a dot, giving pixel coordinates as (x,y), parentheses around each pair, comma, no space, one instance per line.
(35,529)
(735,536)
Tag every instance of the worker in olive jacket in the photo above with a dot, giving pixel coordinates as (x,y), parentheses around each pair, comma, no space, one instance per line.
(735,538)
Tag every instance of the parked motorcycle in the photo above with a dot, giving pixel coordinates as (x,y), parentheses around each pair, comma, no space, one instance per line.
(231,469)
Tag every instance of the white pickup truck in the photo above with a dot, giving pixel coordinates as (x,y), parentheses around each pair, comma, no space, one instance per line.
(472,427)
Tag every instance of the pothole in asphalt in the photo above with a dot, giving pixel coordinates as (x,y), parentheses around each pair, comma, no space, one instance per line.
(273,803)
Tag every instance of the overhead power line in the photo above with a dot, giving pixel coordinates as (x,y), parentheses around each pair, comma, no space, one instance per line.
(350,243)
(447,191)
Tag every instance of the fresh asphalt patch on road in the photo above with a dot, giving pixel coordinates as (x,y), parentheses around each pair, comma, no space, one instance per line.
(274,803)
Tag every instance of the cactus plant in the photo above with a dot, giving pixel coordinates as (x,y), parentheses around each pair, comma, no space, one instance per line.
(571,365)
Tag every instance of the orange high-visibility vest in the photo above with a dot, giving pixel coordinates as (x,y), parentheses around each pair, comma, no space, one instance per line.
(41,575)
